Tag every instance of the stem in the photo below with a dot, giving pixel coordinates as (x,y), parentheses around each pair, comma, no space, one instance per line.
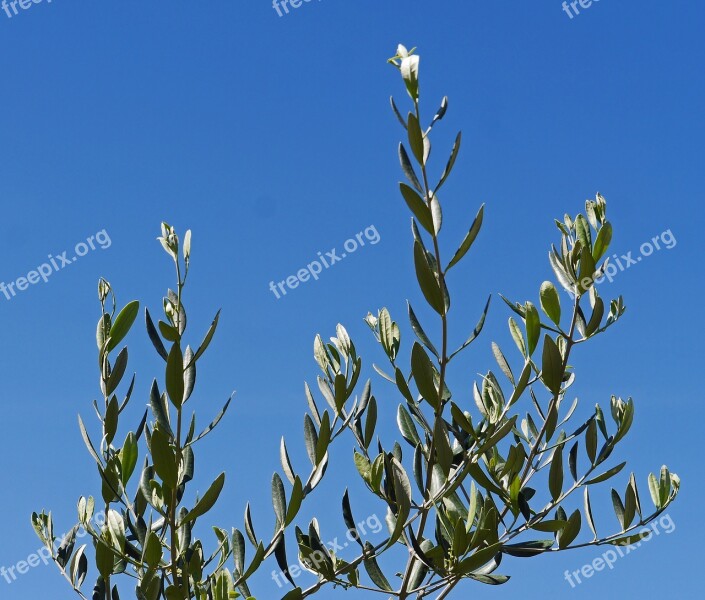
(442,362)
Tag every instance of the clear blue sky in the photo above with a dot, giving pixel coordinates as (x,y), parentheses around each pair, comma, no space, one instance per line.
(271,138)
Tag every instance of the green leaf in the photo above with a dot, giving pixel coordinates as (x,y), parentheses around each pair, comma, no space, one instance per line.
(423,373)
(175,375)
(555,477)
(111,420)
(310,438)
(122,324)
(571,530)
(533,327)
(469,238)
(629,540)
(606,475)
(373,569)
(428,281)
(207,502)
(297,496)
(207,339)
(551,365)
(551,302)
(550,526)
(602,242)
(279,499)
(582,230)
(528,549)
(618,508)
(407,426)
(481,557)
(117,373)
(418,207)
(128,457)
(588,513)
(416,137)
(164,458)
(370,422)
(598,312)
(591,441)
(451,160)
(476,332)
(408,169)
(419,331)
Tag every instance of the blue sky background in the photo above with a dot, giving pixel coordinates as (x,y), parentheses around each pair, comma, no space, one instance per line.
(272,139)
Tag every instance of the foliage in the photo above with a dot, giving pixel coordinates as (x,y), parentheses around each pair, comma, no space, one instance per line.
(490,480)
(476,484)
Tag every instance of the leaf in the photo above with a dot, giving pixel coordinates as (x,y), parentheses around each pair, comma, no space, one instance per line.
(655,491)
(602,241)
(551,365)
(350,520)
(122,324)
(502,362)
(606,475)
(423,373)
(207,339)
(571,530)
(591,441)
(370,422)
(533,327)
(428,282)
(481,557)
(419,332)
(476,332)
(249,528)
(416,137)
(418,207)
(239,550)
(154,335)
(598,312)
(297,496)
(408,169)
(550,526)
(555,477)
(175,375)
(551,302)
(117,373)
(279,499)
(310,438)
(207,502)
(451,160)
(618,508)
(164,458)
(629,540)
(407,426)
(528,549)
(469,238)
(373,569)
(128,457)
(286,462)
(397,113)
(214,423)
(588,513)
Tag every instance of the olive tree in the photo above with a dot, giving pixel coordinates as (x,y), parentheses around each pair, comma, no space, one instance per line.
(467,483)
